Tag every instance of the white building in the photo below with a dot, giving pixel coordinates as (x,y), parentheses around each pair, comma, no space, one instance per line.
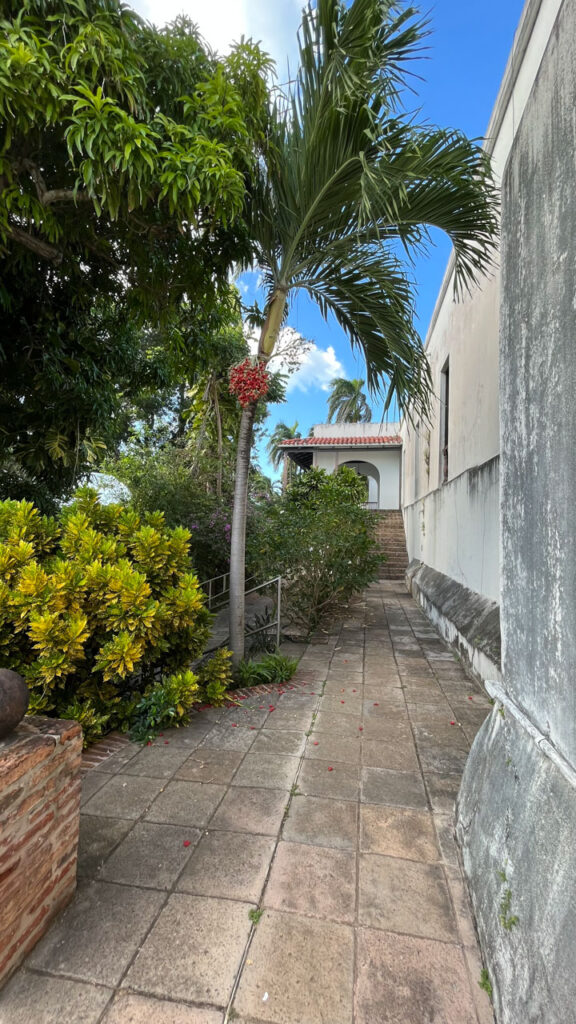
(372,449)
(451,472)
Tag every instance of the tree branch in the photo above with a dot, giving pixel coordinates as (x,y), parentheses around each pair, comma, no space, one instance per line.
(41,248)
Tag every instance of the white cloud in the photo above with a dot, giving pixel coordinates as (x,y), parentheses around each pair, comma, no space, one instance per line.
(223,22)
(318,368)
(308,366)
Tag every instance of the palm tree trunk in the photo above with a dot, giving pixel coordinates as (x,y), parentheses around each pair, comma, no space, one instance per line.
(285,473)
(238,539)
(268,339)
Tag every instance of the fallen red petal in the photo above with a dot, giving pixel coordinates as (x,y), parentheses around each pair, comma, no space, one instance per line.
(316,742)
(360,728)
(186,842)
(376,705)
(166,743)
(330,769)
(452,723)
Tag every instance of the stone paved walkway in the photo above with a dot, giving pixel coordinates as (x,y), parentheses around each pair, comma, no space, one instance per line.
(288,863)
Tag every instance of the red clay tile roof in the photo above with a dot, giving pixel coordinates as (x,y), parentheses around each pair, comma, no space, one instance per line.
(341,442)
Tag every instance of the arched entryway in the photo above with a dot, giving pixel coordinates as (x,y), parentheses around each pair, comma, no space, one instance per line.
(372,476)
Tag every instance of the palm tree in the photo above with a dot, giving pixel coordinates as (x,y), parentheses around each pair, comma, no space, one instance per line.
(347,402)
(345,183)
(282,432)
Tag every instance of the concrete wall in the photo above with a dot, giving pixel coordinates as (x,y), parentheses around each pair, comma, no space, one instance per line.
(517,805)
(386,463)
(461,517)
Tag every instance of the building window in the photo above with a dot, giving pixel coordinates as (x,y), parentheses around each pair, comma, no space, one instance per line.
(444,420)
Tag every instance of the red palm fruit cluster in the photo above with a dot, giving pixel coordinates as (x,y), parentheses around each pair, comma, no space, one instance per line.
(249,381)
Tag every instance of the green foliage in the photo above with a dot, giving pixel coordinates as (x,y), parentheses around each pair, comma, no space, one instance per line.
(125,151)
(94,606)
(215,677)
(485,982)
(347,402)
(272,669)
(166,704)
(321,541)
(507,920)
(255,914)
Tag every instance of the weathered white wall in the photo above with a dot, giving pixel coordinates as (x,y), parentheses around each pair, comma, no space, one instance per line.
(517,803)
(460,537)
(386,462)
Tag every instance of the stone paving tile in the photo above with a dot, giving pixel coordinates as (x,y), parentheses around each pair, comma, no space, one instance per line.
(276,742)
(229,864)
(341,784)
(439,759)
(268,770)
(91,783)
(156,762)
(405,896)
(124,796)
(405,980)
(186,803)
(398,755)
(336,725)
(95,938)
(398,832)
(288,721)
(442,790)
(98,837)
(31,998)
(321,822)
(325,747)
(128,1008)
(313,881)
(193,951)
(301,972)
(258,811)
(163,933)
(229,737)
(151,856)
(212,766)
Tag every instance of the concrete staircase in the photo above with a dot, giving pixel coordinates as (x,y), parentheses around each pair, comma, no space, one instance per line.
(392,539)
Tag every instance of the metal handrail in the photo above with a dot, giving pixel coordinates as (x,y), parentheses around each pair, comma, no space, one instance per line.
(226,590)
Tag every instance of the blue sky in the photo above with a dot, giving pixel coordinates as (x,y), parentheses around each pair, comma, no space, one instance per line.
(461,73)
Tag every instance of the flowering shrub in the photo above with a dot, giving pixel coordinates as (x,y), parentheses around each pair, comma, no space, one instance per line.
(321,541)
(98,609)
(249,381)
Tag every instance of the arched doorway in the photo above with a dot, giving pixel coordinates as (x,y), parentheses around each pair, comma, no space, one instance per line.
(372,476)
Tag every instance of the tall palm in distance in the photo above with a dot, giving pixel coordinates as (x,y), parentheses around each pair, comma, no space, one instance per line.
(346,183)
(347,402)
(282,432)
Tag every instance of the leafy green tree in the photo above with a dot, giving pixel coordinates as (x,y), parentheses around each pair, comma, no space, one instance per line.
(346,182)
(123,160)
(322,541)
(347,402)
(278,457)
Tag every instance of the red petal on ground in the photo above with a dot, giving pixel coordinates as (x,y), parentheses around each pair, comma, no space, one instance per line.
(234,725)
(252,726)
(376,705)
(354,691)
(316,742)
(330,769)
(360,728)
(149,744)
(452,723)
(470,698)
(271,709)
(166,743)
(186,842)
(342,701)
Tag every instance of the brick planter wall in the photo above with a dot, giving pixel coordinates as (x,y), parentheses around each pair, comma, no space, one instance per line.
(39,818)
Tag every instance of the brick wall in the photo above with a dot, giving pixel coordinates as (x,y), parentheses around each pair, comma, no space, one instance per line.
(39,818)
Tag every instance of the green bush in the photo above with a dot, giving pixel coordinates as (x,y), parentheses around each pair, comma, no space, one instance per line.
(321,541)
(272,669)
(100,611)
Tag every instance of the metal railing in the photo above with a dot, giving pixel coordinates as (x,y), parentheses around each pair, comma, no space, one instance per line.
(277,621)
(218,589)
